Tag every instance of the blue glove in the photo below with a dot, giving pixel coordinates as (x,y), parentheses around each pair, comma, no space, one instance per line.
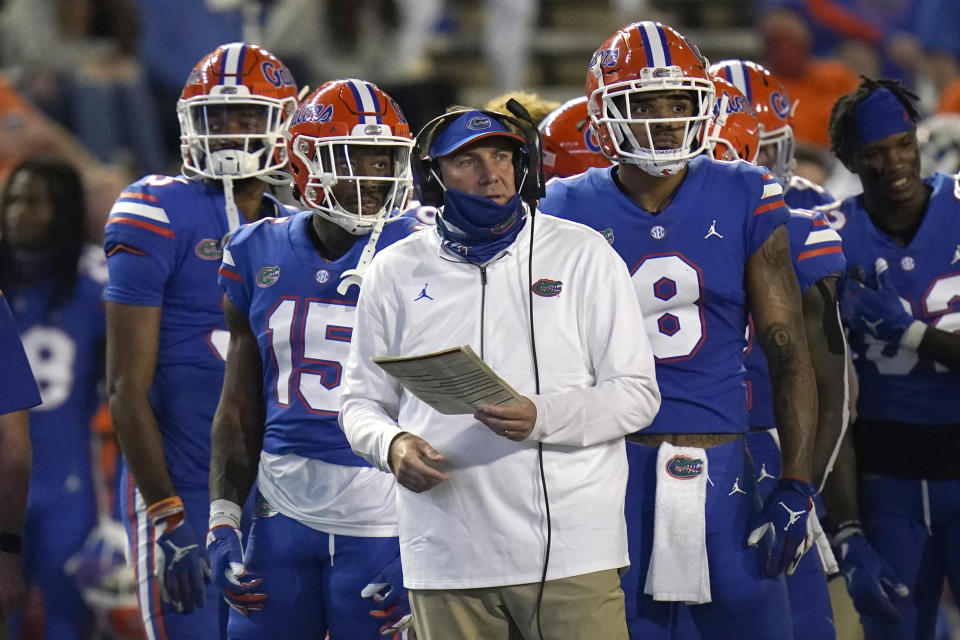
(240,589)
(781,535)
(181,568)
(870,581)
(388,592)
(880,311)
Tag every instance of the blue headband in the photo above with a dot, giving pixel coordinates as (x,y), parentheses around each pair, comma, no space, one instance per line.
(879,115)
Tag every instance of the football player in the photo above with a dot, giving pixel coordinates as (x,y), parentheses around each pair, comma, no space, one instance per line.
(734,132)
(55,283)
(704,244)
(900,304)
(775,111)
(166,337)
(326,523)
(18,392)
(818,261)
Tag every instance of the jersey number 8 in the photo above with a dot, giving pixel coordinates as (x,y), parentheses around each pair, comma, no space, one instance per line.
(670,291)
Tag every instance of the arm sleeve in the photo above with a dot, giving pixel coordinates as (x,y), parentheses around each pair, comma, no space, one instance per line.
(370,398)
(625,397)
(18,390)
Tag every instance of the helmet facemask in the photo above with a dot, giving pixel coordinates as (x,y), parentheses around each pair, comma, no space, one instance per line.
(780,144)
(617,102)
(340,190)
(234,134)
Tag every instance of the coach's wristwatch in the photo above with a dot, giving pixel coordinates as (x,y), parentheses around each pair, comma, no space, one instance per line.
(10,542)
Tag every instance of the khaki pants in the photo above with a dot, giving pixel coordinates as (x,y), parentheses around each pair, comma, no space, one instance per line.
(585,607)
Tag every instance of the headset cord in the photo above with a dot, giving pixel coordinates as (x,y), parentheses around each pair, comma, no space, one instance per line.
(536,378)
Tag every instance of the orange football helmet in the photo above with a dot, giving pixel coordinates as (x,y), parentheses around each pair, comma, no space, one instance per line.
(570,145)
(232,112)
(640,58)
(734,133)
(340,117)
(772,105)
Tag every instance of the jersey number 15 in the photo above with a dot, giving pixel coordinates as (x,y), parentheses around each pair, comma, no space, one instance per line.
(315,335)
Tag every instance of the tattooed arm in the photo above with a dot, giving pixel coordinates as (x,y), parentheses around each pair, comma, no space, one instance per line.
(774,298)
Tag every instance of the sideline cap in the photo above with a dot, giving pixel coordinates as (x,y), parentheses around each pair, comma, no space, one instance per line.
(468,128)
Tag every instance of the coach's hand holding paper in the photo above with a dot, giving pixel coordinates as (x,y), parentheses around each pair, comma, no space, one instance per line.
(452,381)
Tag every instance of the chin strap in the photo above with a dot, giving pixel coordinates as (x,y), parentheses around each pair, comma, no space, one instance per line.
(354,276)
(233,216)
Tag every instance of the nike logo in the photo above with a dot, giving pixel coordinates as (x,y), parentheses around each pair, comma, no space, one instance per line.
(764,474)
(179,553)
(794,515)
(423,293)
(713,231)
(956,255)
(873,325)
(736,488)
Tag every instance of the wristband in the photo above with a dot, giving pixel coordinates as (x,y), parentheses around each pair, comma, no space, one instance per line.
(164,509)
(11,542)
(224,512)
(913,336)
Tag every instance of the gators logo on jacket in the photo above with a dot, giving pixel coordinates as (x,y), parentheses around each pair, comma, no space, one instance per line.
(547,288)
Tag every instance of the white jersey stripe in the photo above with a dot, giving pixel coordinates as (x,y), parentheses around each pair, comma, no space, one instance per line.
(771,189)
(656,45)
(822,235)
(142,210)
(228,258)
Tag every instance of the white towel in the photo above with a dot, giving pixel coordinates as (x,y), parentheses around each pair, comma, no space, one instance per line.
(678,566)
(827,560)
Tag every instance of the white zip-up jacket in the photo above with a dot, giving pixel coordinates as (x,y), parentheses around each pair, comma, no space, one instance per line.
(486,526)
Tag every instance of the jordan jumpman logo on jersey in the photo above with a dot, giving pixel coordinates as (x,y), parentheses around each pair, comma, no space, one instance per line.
(423,293)
(713,231)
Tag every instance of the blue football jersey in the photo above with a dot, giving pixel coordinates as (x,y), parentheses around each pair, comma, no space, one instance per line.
(273,273)
(687,265)
(816,254)
(898,384)
(18,390)
(800,193)
(65,348)
(164,240)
